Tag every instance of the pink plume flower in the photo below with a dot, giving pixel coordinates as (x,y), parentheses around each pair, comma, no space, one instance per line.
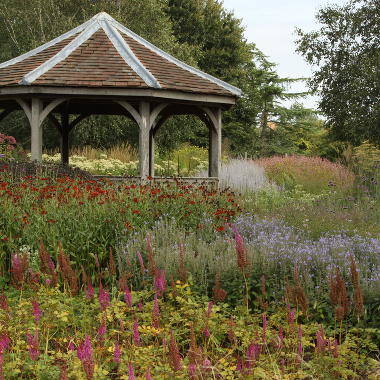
(85,351)
(136,334)
(253,354)
(4,302)
(265,325)
(4,343)
(140,306)
(141,261)
(206,332)
(33,345)
(71,346)
(156,312)
(37,313)
(128,297)
(131,372)
(117,353)
(89,291)
(160,282)
(86,356)
(192,370)
(280,338)
(209,308)
(104,298)
(102,331)
(148,375)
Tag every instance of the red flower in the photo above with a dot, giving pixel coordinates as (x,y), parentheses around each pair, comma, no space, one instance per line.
(135,212)
(220,228)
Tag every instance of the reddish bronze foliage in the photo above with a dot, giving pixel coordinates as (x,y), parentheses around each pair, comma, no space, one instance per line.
(219,294)
(358,294)
(111,264)
(175,359)
(295,293)
(338,295)
(68,274)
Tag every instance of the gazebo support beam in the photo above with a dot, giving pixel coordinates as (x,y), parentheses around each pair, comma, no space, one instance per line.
(65,130)
(215,143)
(144,139)
(36,114)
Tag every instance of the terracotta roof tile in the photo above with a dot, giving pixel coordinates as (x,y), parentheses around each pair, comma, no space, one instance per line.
(102,53)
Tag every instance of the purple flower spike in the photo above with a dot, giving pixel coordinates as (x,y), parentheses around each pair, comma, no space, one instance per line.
(136,334)
(131,372)
(128,297)
(37,313)
(104,298)
(117,353)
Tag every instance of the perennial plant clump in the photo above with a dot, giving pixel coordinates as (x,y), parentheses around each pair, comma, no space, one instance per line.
(168,332)
(314,174)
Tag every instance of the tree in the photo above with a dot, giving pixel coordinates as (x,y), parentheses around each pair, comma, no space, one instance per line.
(345,52)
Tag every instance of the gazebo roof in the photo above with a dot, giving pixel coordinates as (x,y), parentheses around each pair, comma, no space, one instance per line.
(104,53)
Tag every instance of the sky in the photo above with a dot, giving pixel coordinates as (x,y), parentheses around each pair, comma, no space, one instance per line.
(270,24)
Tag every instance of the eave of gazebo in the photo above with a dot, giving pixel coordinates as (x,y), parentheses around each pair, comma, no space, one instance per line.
(149,104)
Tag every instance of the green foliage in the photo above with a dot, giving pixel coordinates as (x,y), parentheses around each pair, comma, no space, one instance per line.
(345,51)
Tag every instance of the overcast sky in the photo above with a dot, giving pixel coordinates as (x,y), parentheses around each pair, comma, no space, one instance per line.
(270,24)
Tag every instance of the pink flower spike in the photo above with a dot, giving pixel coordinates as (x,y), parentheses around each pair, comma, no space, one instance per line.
(265,325)
(104,298)
(89,291)
(209,308)
(128,297)
(71,346)
(148,375)
(4,302)
(86,356)
(206,332)
(192,369)
(37,313)
(156,312)
(136,334)
(4,343)
(117,353)
(159,282)
(131,372)
(141,261)
(102,331)
(33,345)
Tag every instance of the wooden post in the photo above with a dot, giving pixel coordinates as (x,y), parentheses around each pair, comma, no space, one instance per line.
(151,152)
(36,129)
(65,130)
(144,138)
(215,144)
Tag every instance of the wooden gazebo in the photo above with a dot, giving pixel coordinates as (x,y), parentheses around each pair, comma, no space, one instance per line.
(103,68)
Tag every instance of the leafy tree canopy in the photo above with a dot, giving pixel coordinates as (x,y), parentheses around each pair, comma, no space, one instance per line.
(346,54)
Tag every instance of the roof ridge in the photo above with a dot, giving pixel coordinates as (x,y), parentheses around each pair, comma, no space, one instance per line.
(127,54)
(235,90)
(47,45)
(62,54)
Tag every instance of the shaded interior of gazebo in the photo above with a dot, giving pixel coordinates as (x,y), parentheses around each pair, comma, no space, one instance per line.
(103,68)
